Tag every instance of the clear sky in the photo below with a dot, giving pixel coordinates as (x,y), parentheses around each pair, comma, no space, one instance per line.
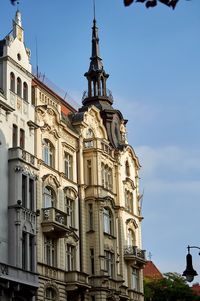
(153,58)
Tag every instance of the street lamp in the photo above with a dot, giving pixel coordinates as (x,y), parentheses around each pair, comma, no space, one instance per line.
(189,272)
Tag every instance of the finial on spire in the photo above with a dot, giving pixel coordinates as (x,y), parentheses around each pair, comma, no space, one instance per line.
(94,9)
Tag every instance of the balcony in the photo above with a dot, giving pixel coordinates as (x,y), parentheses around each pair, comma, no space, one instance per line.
(133,253)
(54,222)
(76,280)
(17,153)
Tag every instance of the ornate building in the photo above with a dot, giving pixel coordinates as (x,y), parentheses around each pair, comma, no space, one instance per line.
(71,194)
(18,170)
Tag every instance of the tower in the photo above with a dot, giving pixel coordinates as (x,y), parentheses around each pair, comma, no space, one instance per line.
(108,176)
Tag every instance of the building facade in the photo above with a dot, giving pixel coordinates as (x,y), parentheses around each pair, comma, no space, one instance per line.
(70,203)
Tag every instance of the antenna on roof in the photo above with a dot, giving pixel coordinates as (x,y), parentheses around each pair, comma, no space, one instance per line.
(37,69)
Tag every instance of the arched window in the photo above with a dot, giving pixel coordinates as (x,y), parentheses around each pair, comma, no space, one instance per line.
(12,82)
(19,87)
(130,238)
(48,153)
(49,197)
(25,91)
(107,221)
(50,294)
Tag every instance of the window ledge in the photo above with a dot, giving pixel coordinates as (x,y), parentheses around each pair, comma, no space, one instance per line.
(109,235)
(90,231)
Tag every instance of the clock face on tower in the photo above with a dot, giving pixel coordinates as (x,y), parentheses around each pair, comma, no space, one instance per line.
(115,130)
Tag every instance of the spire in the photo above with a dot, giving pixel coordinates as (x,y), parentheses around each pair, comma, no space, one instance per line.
(18,31)
(96,61)
(18,18)
(96,74)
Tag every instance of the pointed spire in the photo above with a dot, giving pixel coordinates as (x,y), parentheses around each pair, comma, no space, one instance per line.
(18,31)
(18,18)
(96,74)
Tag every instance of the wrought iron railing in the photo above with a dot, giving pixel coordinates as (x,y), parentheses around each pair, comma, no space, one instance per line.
(134,251)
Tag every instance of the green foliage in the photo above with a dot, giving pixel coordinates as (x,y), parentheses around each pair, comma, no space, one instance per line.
(172,287)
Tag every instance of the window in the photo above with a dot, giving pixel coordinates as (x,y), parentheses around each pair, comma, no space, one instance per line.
(128,200)
(24,191)
(25,91)
(69,203)
(14,136)
(107,221)
(31,194)
(48,152)
(109,263)
(19,87)
(24,250)
(68,161)
(135,279)
(127,167)
(70,257)
(90,215)
(106,176)
(50,251)
(92,260)
(28,242)
(50,294)
(49,197)
(22,138)
(12,82)
(31,252)
(130,238)
(89,172)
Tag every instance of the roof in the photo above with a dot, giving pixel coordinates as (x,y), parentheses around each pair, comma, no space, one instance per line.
(151,271)
(196,289)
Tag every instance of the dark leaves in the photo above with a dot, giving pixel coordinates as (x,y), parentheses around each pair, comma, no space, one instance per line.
(153,3)
(128,2)
(13,1)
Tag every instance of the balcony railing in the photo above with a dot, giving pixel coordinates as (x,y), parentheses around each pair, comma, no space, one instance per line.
(76,278)
(20,154)
(134,253)
(54,221)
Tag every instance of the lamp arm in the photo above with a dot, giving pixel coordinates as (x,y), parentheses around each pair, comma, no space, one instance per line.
(193,247)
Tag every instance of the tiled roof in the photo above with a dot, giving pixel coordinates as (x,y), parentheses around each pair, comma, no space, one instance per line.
(151,271)
(196,289)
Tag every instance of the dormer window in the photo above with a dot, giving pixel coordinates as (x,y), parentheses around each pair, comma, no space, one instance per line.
(19,57)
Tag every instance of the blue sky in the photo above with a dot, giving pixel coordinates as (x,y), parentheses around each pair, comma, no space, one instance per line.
(153,58)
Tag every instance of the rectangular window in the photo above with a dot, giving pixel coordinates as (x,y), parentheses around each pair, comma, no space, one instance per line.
(92,260)
(109,263)
(70,212)
(50,252)
(31,252)
(90,215)
(14,136)
(24,253)
(70,257)
(24,191)
(31,194)
(135,279)
(89,172)
(68,166)
(22,139)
